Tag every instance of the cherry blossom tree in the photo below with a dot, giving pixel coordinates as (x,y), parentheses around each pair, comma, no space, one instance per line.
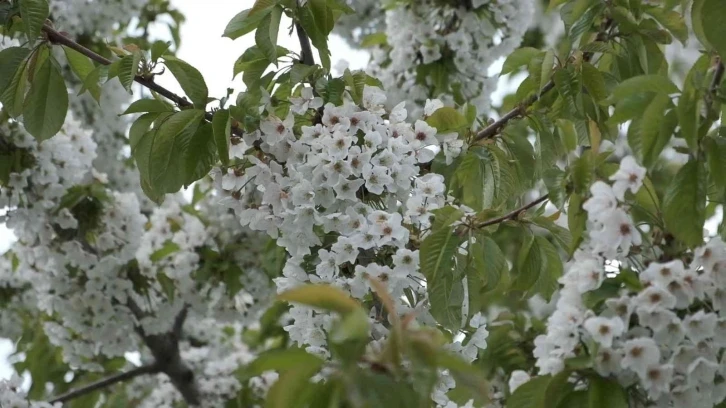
(391,237)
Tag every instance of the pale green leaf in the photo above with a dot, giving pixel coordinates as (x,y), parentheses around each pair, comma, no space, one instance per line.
(266,34)
(46,104)
(606,393)
(128,68)
(190,79)
(684,204)
(169,149)
(437,253)
(518,58)
(148,105)
(33,13)
(222,124)
(593,81)
(11,60)
(80,64)
(642,84)
(322,297)
(713,16)
(243,23)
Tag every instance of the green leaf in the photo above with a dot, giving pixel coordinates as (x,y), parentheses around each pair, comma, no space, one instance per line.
(33,13)
(80,64)
(446,295)
(353,326)
(530,264)
(167,249)
(530,394)
(319,40)
(10,62)
(148,105)
(158,49)
(550,271)
(650,126)
(243,23)
(576,220)
(46,104)
(169,148)
(286,392)
(323,16)
(606,393)
(684,204)
(262,6)
(487,261)
(14,94)
(642,84)
(300,72)
(697,22)
(375,39)
(547,65)
(437,253)
(139,128)
(518,58)
(266,34)
(282,360)
(200,155)
(713,15)
(593,81)
(92,82)
(715,148)
(321,296)
(190,79)
(447,119)
(672,21)
(128,68)
(222,124)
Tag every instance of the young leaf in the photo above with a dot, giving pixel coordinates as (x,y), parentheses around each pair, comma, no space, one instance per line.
(593,81)
(222,124)
(242,24)
(280,360)
(46,104)
(80,64)
(650,135)
(321,296)
(10,62)
(128,67)
(158,49)
(266,34)
(33,13)
(14,94)
(200,155)
(713,15)
(437,253)
(190,79)
(446,295)
(520,57)
(447,119)
(148,105)
(684,204)
(168,149)
(642,84)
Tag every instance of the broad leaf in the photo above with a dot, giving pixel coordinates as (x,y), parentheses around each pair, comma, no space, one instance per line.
(222,124)
(266,34)
(33,13)
(243,23)
(10,63)
(46,104)
(321,296)
(190,79)
(169,149)
(148,105)
(713,15)
(684,204)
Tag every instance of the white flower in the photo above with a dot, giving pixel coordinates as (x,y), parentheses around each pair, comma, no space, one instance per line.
(430,53)
(406,260)
(602,201)
(657,379)
(275,129)
(374,99)
(640,353)
(432,105)
(305,101)
(423,135)
(603,330)
(700,325)
(628,177)
(517,378)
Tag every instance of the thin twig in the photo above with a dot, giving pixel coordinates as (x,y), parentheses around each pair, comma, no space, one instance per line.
(514,214)
(494,129)
(58,38)
(145,369)
(715,84)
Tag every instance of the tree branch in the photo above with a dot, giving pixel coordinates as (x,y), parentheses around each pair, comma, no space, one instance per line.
(56,37)
(494,129)
(306,51)
(145,369)
(514,214)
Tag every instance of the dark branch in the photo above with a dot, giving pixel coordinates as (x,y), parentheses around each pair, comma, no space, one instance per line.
(514,214)
(145,369)
(306,52)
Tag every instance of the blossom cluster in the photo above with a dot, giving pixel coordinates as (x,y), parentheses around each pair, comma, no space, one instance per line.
(663,332)
(441,51)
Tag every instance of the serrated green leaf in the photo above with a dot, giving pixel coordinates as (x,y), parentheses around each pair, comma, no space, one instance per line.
(551,268)
(281,361)
(14,94)
(321,296)
(651,138)
(222,124)
(437,254)
(518,58)
(323,16)
(697,22)
(190,79)
(128,67)
(447,119)
(446,296)
(33,13)
(158,49)
(548,63)
(80,64)
(93,81)
(266,34)
(684,204)
(139,128)
(715,148)
(530,264)
(445,216)
(593,81)
(169,149)
(200,155)
(672,21)
(243,23)
(46,104)
(148,105)
(319,40)
(11,60)
(488,261)
(300,73)
(530,394)
(713,15)
(642,84)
